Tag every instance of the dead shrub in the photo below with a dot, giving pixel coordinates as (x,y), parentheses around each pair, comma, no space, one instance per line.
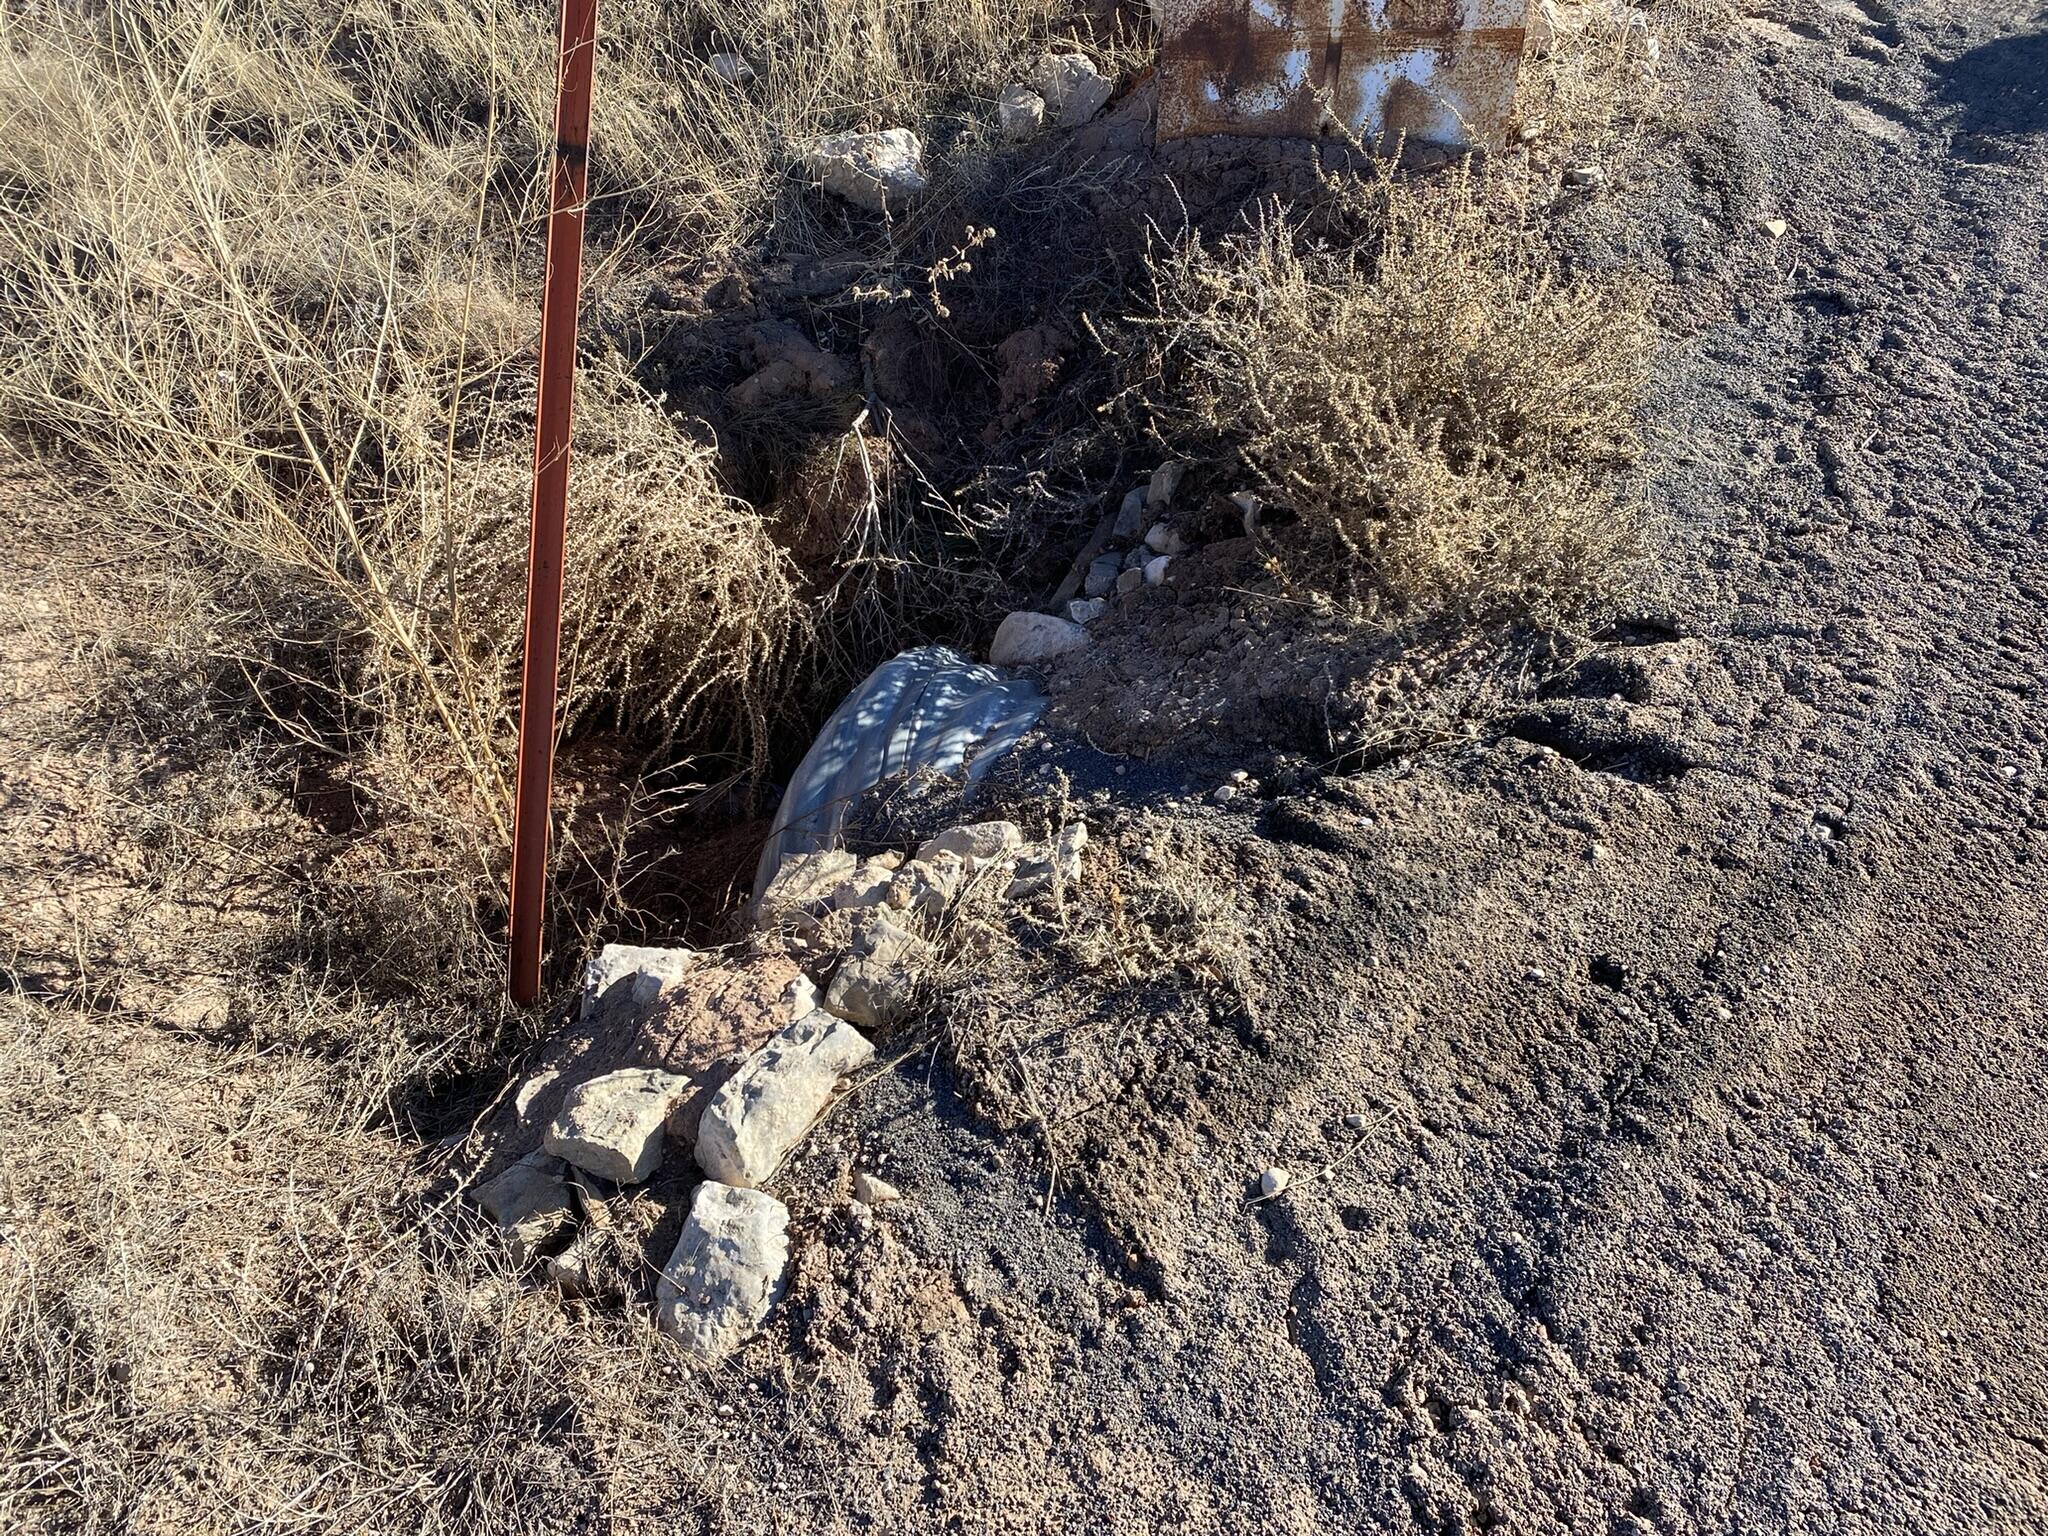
(1442,405)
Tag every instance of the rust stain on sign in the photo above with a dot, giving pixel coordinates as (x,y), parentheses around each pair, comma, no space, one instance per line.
(1434,71)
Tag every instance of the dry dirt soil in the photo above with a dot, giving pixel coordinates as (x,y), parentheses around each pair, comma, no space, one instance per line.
(1695,1016)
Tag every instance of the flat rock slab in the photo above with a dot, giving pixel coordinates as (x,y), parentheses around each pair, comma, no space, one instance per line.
(975,844)
(726,1271)
(612,1125)
(530,1200)
(768,1105)
(644,973)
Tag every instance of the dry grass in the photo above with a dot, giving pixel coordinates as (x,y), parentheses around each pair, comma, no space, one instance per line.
(1447,409)
(269,273)
(219,1311)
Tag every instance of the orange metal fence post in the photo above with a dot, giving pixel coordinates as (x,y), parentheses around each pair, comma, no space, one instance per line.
(542,661)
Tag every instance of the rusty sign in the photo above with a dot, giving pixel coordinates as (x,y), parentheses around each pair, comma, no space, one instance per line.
(1432,71)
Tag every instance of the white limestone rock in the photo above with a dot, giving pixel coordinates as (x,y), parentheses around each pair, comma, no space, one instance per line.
(765,1108)
(647,972)
(880,172)
(1020,113)
(612,1124)
(875,985)
(726,1272)
(1073,88)
(924,888)
(865,886)
(1164,539)
(975,843)
(530,1200)
(803,889)
(1024,638)
(870,1189)
(1037,872)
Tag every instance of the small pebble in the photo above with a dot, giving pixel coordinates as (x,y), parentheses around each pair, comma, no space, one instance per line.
(1272,1182)
(870,1190)
(1534,973)
(1354,1121)
(1775,228)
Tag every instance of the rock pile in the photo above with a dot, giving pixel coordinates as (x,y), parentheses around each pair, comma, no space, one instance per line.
(867,928)
(884,171)
(1134,550)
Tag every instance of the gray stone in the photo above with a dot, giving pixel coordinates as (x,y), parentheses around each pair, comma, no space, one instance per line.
(726,1271)
(1130,517)
(1163,486)
(1155,569)
(611,1125)
(1086,610)
(924,888)
(870,1190)
(1103,571)
(768,1105)
(1162,538)
(1037,872)
(645,973)
(877,171)
(976,843)
(1354,1121)
(1020,113)
(1586,178)
(530,1200)
(1073,88)
(1024,638)
(1134,560)
(1273,1181)
(1129,582)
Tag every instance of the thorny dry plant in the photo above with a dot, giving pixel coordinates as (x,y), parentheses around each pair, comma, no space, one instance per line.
(1453,416)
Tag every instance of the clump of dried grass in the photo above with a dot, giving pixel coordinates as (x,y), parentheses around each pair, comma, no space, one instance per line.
(1599,72)
(1447,409)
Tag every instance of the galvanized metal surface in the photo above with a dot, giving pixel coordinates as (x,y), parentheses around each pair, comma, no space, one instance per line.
(1430,71)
